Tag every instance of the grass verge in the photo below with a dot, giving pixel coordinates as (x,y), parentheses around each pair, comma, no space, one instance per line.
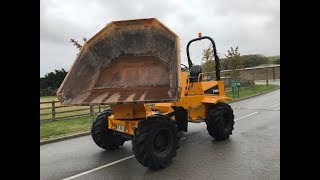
(251,91)
(66,127)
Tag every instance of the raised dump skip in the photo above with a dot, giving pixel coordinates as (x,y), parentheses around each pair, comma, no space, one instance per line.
(126,62)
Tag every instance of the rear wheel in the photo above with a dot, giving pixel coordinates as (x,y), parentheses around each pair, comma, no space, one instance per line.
(220,121)
(104,137)
(155,142)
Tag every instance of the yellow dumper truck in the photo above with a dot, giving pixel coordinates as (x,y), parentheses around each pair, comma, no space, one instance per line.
(134,66)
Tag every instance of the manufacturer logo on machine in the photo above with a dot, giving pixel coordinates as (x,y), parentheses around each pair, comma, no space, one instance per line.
(215,90)
(212,90)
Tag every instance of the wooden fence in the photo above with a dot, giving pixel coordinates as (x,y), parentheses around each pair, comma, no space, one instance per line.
(54,105)
(266,73)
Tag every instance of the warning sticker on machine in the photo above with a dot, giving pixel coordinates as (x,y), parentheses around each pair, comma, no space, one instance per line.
(120,128)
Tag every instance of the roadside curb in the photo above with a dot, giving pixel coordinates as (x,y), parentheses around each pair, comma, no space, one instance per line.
(88,133)
(64,138)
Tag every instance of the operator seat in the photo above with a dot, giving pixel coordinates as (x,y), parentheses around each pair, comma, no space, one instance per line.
(194,73)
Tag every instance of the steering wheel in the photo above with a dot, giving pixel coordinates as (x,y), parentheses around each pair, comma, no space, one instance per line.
(184,67)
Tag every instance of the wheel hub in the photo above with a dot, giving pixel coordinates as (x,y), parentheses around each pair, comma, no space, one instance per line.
(161,141)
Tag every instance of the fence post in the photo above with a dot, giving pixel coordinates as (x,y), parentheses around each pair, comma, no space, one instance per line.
(99,108)
(53,105)
(267,76)
(254,86)
(253,75)
(274,75)
(91,110)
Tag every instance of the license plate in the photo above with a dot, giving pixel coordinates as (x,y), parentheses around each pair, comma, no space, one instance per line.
(120,128)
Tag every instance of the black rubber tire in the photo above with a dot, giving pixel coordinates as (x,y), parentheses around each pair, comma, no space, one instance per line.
(104,137)
(179,136)
(145,138)
(220,121)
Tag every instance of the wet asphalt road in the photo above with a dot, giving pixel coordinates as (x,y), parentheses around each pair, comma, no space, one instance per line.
(252,152)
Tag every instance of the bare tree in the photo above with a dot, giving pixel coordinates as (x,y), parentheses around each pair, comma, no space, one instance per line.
(234,62)
(75,43)
(208,63)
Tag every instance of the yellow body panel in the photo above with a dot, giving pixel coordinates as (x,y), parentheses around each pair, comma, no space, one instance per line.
(192,97)
(215,99)
(196,109)
(128,125)
(198,87)
(130,111)
(164,107)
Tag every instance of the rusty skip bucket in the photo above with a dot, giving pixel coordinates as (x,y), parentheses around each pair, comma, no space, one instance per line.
(126,62)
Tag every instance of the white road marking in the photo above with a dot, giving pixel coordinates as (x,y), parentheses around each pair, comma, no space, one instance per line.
(246,116)
(129,157)
(275,105)
(95,169)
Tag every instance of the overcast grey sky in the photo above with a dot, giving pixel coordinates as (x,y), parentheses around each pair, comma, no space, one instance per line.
(253,25)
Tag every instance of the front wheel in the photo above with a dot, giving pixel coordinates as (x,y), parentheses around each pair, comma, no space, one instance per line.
(105,138)
(155,142)
(220,121)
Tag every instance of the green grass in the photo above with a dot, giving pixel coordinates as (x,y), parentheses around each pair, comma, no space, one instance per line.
(61,128)
(65,127)
(48,98)
(250,91)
